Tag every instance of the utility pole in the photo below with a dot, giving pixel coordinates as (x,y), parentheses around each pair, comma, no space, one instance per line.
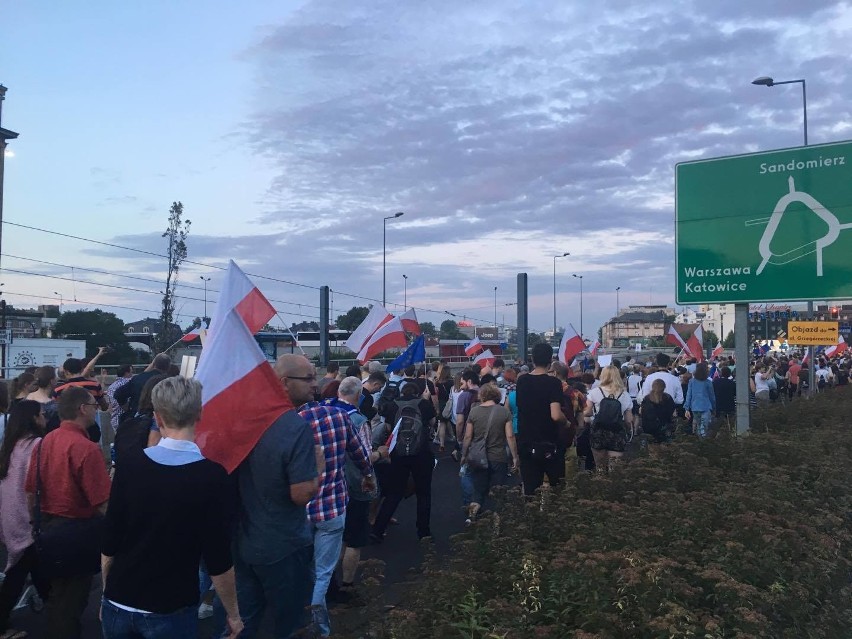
(5,136)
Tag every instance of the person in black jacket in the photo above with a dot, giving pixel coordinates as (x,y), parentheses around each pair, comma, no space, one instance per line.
(166,513)
(725,389)
(129,394)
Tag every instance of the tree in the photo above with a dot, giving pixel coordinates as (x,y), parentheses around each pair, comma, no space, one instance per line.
(304,326)
(450,330)
(98,328)
(352,318)
(729,340)
(176,233)
(710,339)
(428,329)
(196,323)
(534,338)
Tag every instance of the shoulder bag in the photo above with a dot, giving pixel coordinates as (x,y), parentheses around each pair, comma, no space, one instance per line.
(477,454)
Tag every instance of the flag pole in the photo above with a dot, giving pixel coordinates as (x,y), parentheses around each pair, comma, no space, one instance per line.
(289,332)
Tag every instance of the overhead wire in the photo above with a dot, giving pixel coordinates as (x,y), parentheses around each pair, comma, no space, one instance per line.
(220,268)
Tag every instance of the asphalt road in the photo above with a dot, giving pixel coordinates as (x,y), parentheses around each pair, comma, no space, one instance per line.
(401,551)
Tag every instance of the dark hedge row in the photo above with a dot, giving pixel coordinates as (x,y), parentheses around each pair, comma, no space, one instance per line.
(710,539)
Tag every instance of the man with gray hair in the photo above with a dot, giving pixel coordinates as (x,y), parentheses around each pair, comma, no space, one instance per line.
(335,433)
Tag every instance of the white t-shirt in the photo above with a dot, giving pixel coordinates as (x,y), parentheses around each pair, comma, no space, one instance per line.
(760,383)
(633,384)
(672,382)
(596,395)
(824,373)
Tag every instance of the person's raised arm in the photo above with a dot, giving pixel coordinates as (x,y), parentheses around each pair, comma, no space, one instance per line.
(87,372)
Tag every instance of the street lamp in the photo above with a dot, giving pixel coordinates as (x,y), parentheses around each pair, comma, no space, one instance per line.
(580,277)
(617,304)
(495,309)
(385,254)
(769,82)
(206,279)
(555,257)
(61,299)
(405,293)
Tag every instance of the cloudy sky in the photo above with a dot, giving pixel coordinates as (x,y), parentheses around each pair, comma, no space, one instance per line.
(508,132)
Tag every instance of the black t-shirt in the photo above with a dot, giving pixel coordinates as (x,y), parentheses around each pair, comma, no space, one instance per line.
(366,406)
(656,417)
(535,394)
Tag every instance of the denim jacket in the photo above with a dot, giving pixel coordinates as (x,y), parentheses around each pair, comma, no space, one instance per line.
(700,396)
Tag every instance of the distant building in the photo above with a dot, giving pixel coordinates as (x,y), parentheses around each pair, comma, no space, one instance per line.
(24,322)
(637,325)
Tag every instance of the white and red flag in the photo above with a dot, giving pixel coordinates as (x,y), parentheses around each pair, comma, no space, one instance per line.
(695,344)
(473,347)
(239,293)
(572,345)
(593,349)
(241,393)
(485,358)
(409,322)
(195,332)
(674,338)
(806,357)
(389,335)
(838,348)
(377,317)
(392,438)
(718,350)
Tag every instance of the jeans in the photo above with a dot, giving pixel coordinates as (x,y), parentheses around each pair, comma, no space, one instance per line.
(123,624)
(419,467)
(328,542)
(285,585)
(701,422)
(477,482)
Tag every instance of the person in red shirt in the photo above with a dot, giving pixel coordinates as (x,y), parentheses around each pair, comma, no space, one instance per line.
(74,485)
(793,377)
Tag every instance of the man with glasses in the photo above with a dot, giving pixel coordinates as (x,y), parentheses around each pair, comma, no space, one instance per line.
(274,548)
(74,485)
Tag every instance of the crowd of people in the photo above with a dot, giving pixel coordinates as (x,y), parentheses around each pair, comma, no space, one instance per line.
(175,538)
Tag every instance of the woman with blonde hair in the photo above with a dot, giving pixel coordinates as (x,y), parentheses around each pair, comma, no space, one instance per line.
(610,411)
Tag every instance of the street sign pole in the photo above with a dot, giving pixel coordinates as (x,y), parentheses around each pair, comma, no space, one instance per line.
(741,354)
(811,362)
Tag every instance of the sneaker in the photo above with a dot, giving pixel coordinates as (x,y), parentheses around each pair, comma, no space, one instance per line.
(205,611)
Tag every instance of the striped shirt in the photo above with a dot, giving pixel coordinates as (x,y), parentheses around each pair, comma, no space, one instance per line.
(334,431)
(91,385)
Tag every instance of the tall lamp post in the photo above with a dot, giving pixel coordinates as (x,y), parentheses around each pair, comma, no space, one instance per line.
(206,279)
(580,277)
(405,292)
(385,255)
(495,309)
(555,257)
(617,304)
(769,82)
(61,299)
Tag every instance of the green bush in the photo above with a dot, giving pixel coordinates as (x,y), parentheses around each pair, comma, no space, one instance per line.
(719,538)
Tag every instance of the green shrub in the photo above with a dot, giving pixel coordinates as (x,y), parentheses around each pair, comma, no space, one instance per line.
(719,538)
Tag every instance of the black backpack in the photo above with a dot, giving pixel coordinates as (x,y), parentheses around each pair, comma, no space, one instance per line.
(610,415)
(411,435)
(131,437)
(385,406)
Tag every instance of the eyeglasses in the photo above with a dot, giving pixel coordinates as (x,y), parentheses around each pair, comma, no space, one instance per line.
(309,378)
(89,404)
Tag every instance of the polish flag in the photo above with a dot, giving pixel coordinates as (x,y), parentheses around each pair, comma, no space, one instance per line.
(392,438)
(195,332)
(409,322)
(593,349)
(572,344)
(239,293)
(389,335)
(838,348)
(718,350)
(378,316)
(805,358)
(473,347)
(674,338)
(485,358)
(695,344)
(241,393)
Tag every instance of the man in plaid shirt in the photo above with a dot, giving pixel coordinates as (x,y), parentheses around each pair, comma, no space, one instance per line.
(335,433)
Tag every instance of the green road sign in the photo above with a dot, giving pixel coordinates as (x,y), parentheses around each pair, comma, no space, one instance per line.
(765,226)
